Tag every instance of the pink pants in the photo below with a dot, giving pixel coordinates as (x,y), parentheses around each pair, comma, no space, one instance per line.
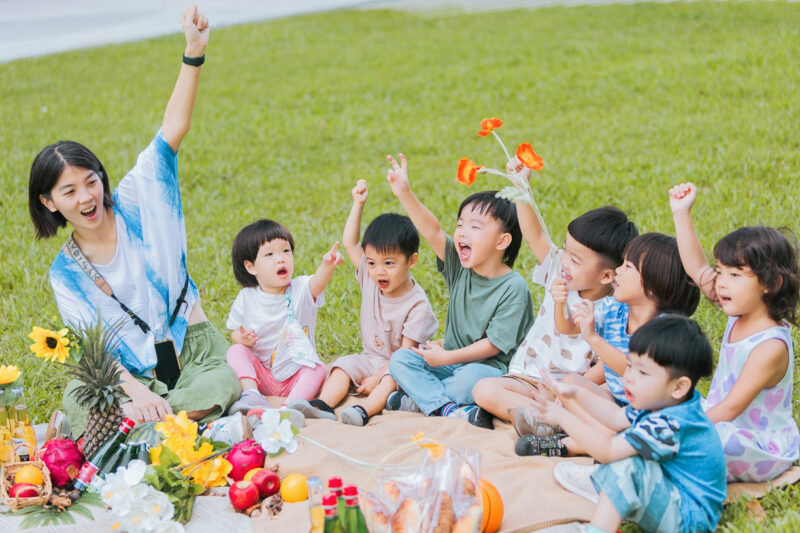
(305,383)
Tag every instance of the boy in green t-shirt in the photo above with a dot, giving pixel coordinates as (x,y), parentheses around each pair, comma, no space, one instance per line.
(489,311)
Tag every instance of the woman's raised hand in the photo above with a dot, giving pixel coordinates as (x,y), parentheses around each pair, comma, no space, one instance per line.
(195,28)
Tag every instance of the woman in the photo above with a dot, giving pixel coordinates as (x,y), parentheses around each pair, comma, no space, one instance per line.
(135,241)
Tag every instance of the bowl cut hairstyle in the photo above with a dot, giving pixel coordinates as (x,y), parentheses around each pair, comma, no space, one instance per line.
(605,230)
(391,233)
(247,243)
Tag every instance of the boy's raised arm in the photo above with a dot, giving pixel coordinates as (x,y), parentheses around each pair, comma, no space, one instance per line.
(352,228)
(425,222)
(529,220)
(681,199)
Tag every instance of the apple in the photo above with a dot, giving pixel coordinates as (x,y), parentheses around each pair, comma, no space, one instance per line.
(24,490)
(267,481)
(243,494)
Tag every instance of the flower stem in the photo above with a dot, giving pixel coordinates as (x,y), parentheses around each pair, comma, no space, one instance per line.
(352,459)
(503,146)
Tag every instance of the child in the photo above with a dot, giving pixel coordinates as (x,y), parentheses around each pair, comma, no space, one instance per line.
(583,269)
(664,469)
(267,307)
(489,311)
(756,284)
(395,313)
(650,282)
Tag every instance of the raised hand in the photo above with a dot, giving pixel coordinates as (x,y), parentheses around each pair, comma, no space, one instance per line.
(583,314)
(360,192)
(515,165)
(682,197)
(333,257)
(397,176)
(195,28)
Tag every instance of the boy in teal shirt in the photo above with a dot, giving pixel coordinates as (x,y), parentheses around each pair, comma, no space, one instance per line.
(489,311)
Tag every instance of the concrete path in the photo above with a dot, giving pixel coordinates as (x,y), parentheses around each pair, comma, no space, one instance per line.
(31,28)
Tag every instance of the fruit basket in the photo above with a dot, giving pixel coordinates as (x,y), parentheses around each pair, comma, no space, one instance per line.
(7,473)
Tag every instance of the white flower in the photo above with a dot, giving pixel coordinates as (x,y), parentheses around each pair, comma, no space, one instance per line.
(274,434)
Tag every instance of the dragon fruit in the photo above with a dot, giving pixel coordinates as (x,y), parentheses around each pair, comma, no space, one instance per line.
(244,457)
(63,459)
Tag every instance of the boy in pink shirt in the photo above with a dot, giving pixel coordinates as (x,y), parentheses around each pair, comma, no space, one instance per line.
(395,313)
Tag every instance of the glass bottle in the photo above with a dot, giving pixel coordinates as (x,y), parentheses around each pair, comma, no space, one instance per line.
(103,455)
(22,432)
(353,518)
(6,446)
(335,487)
(315,505)
(332,523)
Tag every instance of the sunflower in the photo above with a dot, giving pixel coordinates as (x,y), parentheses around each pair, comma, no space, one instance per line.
(49,344)
(8,374)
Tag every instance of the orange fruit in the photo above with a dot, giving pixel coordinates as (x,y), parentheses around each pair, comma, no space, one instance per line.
(250,473)
(294,488)
(492,504)
(29,474)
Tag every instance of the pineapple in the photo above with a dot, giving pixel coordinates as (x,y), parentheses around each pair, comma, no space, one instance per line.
(100,392)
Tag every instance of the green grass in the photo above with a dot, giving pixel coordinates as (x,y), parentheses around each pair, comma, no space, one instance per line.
(621,101)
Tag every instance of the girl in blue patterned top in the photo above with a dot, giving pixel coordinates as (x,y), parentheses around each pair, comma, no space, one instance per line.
(134,239)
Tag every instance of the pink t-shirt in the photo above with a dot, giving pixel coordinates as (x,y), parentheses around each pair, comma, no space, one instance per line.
(385,321)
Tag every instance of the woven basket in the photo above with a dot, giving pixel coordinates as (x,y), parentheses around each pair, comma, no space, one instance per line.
(7,474)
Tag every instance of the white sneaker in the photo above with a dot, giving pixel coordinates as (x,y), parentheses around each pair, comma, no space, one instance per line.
(231,429)
(576,479)
(250,399)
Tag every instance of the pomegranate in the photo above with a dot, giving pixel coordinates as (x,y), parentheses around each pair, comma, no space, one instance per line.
(267,481)
(244,457)
(243,494)
(63,459)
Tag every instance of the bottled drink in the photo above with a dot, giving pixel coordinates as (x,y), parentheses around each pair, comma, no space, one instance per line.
(332,523)
(353,518)
(315,505)
(103,455)
(22,432)
(335,486)
(6,446)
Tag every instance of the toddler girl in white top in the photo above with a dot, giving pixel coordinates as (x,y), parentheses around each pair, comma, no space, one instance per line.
(272,319)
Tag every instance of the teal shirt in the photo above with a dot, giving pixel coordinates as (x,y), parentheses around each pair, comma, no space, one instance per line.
(498,309)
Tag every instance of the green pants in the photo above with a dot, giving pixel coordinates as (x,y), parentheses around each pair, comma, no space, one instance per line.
(206,380)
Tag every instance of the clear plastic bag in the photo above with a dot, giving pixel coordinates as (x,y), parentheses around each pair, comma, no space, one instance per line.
(294,351)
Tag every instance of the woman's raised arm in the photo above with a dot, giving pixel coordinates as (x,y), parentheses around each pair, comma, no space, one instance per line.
(178,115)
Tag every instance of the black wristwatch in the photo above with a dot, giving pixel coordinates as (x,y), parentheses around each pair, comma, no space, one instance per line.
(194,61)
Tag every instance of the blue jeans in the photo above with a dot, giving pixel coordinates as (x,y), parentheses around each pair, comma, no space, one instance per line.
(432,387)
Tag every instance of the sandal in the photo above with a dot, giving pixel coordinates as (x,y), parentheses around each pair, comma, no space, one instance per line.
(544,446)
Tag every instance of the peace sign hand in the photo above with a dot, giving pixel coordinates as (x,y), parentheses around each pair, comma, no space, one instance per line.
(398,176)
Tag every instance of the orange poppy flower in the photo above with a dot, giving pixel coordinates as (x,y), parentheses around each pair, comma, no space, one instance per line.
(489,124)
(467,171)
(528,157)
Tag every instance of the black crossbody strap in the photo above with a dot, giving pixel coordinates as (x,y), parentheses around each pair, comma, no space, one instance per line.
(72,249)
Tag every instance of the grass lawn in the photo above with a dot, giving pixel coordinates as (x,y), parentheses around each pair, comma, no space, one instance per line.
(621,101)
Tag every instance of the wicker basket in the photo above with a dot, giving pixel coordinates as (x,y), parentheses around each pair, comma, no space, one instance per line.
(7,474)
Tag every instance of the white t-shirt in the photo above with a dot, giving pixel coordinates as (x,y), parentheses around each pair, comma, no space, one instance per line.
(266,314)
(544,346)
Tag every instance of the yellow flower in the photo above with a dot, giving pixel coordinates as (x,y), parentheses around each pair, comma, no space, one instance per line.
(178,426)
(49,344)
(8,374)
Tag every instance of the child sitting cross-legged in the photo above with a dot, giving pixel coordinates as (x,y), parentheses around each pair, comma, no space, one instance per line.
(273,317)
(395,313)
(583,269)
(488,313)
(664,469)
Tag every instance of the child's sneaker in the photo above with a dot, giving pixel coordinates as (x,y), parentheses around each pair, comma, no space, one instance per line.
(526,424)
(355,415)
(577,479)
(475,416)
(231,429)
(309,410)
(400,401)
(546,446)
(250,399)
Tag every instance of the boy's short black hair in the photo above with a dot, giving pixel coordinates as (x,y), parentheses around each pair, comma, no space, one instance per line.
(676,343)
(487,202)
(390,233)
(664,279)
(605,230)
(249,240)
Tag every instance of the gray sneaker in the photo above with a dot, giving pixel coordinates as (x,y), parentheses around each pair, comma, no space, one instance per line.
(308,410)
(576,479)
(400,401)
(351,415)
(475,416)
(526,424)
(250,399)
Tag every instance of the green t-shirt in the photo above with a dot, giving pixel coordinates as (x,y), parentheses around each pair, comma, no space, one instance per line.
(499,309)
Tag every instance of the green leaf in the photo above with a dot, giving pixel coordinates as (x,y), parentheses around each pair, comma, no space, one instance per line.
(77,508)
(168,458)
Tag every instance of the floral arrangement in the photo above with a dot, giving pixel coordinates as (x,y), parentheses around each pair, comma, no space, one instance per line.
(520,190)
(138,506)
